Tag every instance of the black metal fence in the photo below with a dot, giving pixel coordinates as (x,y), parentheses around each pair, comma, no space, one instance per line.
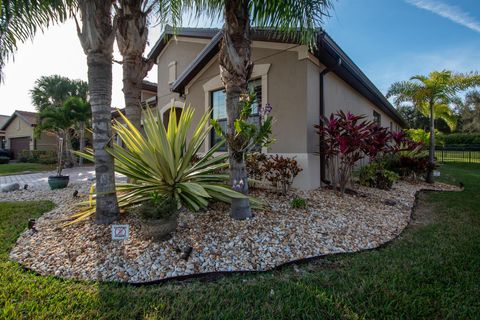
(459,153)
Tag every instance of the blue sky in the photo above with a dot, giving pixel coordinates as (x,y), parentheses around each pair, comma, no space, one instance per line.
(390,40)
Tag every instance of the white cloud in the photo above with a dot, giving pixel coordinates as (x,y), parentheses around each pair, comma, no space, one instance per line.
(453,13)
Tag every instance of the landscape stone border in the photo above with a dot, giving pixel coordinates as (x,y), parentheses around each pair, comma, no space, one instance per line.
(216,274)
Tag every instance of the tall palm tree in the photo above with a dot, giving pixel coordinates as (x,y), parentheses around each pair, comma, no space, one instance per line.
(97,34)
(134,17)
(132,36)
(291,18)
(81,114)
(432,94)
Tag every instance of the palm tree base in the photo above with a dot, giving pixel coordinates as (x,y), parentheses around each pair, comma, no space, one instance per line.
(429,177)
(240,209)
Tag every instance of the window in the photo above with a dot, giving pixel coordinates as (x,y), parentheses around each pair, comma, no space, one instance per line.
(219,108)
(377,118)
(172,72)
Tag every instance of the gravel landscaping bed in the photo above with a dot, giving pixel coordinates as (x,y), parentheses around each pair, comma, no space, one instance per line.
(276,235)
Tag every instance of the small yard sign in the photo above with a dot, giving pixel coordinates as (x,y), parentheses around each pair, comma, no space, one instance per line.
(120,232)
(436,173)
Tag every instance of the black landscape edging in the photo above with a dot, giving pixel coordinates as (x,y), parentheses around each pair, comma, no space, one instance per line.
(214,275)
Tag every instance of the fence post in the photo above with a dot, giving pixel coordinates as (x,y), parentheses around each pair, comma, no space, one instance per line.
(470,156)
(443,161)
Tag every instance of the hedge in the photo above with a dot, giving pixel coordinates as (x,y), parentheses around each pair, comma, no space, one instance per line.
(462,138)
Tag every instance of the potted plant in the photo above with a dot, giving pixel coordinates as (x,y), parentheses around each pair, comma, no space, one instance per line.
(59,181)
(159,217)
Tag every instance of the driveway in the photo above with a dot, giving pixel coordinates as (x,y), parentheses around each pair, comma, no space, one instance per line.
(39,180)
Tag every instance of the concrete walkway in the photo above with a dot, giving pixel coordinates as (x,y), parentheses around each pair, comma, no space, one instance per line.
(39,180)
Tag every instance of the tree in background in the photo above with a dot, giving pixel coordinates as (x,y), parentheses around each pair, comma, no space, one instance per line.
(469,112)
(52,92)
(58,120)
(433,94)
(291,18)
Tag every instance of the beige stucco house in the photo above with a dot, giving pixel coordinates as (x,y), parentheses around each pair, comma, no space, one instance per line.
(19,134)
(300,84)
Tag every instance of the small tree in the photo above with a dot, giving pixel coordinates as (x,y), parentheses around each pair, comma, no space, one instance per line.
(344,141)
(58,120)
(81,113)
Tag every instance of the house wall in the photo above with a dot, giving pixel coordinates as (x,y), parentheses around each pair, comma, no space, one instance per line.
(19,128)
(290,83)
(340,96)
(182,52)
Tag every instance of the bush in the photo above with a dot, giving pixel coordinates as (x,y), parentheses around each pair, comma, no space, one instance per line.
(298,203)
(4,160)
(373,175)
(279,171)
(38,156)
(407,166)
(159,208)
(462,138)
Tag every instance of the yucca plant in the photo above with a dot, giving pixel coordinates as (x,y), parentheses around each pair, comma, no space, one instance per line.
(160,161)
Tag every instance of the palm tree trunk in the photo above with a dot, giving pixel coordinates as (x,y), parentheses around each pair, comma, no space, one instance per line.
(132,90)
(235,69)
(97,37)
(431,151)
(132,37)
(82,141)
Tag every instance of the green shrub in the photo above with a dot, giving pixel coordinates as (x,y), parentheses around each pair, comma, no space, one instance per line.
(159,207)
(375,176)
(38,156)
(420,135)
(298,203)
(462,138)
(4,160)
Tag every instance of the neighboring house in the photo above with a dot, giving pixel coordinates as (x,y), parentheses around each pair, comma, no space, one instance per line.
(3,120)
(19,134)
(300,84)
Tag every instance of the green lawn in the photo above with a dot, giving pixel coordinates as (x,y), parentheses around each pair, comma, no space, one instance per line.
(17,168)
(432,271)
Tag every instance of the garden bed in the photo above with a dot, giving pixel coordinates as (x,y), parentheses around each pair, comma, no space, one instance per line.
(275,236)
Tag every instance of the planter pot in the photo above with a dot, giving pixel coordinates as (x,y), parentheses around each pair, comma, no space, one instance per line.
(159,229)
(58,182)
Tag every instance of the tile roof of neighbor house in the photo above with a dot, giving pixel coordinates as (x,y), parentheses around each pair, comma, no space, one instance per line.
(27,116)
(327,51)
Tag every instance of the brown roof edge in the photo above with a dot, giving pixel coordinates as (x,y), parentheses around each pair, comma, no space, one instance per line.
(27,116)
(149,86)
(203,33)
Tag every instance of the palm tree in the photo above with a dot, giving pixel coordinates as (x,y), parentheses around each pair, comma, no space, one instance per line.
(52,92)
(432,94)
(81,113)
(97,35)
(291,18)
(58,120)
(132,36)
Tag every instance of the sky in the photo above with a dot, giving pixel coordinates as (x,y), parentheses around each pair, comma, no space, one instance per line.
(390,40)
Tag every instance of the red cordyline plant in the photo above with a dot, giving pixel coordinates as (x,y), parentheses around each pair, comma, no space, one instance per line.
(344,142)
(400,143)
